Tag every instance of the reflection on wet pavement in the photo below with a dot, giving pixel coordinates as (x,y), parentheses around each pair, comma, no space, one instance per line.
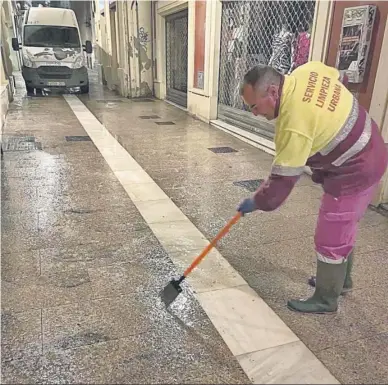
(81,271)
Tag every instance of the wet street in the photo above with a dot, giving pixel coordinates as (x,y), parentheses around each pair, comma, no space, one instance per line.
(105,199)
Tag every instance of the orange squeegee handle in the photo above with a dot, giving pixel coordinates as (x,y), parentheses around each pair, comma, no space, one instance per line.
(212,244)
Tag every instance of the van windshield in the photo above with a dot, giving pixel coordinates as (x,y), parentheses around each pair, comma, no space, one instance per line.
(51,36)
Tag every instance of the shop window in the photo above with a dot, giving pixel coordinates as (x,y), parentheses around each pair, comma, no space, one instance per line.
(275,33)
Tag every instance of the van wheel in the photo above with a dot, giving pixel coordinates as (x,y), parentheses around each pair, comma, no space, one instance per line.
(85,89)
(30,90)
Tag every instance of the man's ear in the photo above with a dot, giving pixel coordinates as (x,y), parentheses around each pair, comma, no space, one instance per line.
(273,91)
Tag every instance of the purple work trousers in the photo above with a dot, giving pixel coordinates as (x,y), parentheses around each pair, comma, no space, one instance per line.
(337,226)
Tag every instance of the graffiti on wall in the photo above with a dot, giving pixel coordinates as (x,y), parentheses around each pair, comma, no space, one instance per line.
(143,37)
(140,44)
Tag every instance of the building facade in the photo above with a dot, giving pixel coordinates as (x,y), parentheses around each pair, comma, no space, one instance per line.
(194,53)
(9,59)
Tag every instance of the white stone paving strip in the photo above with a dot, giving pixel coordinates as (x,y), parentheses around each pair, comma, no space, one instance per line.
(267,350)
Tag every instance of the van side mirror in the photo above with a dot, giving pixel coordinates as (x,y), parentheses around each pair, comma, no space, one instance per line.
(15,44)
(88,48)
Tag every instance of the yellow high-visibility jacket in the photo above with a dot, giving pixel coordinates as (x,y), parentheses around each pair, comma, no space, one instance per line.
(321,124)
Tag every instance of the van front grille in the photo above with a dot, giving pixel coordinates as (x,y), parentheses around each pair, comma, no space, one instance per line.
(54,72)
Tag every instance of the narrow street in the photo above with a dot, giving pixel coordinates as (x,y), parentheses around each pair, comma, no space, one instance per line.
(105,199)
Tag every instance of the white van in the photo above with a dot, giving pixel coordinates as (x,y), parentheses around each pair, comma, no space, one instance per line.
(51,50)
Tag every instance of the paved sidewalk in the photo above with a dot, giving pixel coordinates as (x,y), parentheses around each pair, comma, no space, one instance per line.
(267,350)
(273,252)
(82,262)
(81,271)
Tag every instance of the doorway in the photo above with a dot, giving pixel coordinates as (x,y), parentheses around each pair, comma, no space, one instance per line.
(176,57)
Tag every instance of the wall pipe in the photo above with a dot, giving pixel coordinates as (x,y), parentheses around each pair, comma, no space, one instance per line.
(127,43)
(138,40)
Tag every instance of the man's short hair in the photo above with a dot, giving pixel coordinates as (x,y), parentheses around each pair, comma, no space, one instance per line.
(260,76)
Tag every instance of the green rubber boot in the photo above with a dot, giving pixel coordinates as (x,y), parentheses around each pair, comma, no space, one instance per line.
(329,284)
(348,285)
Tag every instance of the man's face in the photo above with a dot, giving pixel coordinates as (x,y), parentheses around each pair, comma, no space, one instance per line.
(261,102)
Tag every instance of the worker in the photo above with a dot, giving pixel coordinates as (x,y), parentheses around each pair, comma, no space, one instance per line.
(320,124)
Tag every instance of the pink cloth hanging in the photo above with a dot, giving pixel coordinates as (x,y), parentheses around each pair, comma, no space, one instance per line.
(302,49)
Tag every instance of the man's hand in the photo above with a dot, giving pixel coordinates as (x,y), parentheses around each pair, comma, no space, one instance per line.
(247,206)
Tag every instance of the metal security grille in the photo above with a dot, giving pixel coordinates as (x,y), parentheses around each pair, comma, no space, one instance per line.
(20,143)
(259,32)
(176,57)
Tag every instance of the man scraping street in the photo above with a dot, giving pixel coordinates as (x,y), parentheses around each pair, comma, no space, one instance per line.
(319,124)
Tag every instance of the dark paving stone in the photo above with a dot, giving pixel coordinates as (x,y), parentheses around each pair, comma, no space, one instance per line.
(145,117)
(83,138)
(251,185)
(104,101)
(142,100)
(165,123)
(222,150)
